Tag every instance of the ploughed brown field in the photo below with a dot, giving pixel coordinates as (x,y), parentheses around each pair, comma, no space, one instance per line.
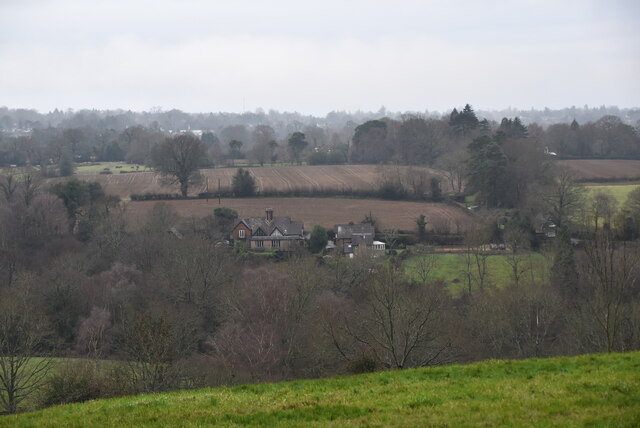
(325,212)
(603,168)
(315,177)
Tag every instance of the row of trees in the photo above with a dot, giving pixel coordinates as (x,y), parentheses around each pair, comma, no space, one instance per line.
(407,139)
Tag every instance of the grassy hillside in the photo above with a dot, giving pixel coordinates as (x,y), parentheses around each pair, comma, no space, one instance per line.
(591,390)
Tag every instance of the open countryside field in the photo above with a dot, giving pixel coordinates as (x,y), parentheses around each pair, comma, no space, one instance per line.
(603,169)
(451,269)
(618,191)
(589,390)
(313,177)
(324,212)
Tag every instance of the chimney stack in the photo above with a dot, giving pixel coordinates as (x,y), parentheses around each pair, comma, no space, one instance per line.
(269,214)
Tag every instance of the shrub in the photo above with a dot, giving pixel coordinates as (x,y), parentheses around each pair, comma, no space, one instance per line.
(364,364)
(243,183)
(78,381)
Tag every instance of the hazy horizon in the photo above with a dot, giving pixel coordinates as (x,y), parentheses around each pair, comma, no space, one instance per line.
(197,56)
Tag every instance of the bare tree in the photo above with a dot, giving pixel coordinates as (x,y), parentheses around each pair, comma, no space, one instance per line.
(152,350)
(516,240)
(425,264)
(603,206)
(564,199)
(475,260)
(23,363)
(454,166)
(609,272)
(398,323)
(267,313)
(177,159)
(8,185)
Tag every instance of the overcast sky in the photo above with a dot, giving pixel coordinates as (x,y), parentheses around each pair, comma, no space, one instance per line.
(315,57)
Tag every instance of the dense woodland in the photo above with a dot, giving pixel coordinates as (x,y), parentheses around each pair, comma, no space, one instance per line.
(167,306)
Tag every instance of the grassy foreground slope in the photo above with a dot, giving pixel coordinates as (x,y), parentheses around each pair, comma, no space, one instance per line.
(590,390)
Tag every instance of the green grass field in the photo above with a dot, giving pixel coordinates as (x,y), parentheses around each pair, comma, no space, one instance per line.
(591,390)
(620,192)
(451,268)
(115,167)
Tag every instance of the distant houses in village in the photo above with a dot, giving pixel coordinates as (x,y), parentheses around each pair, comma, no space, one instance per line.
(269,232)
(353,239)
(284,234)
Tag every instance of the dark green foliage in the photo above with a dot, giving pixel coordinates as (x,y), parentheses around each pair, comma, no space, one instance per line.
(336,156)
(629,229)
(392,189)
(370,219)
(209,139)
(422,225)
(364,364)
(318,158)
(436,190)
(318,239)
(235,149)
(464,122)
(511,129)
(370,143)
(225,214)
(65,166)
(243,183)
(297,144)
(488,172)
(224,218)
(76,194)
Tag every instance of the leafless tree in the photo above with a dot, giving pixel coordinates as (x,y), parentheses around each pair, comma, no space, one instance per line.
(516,240)
(564,199)
(424,264)
(93,333)
(398,323)
(23,363)
(609,274)
(178,158)
(476,254)
(454,166)
(603,206)
(267,312)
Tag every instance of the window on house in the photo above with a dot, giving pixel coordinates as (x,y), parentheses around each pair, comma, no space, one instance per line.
(241,233)
(275,244)
(259,244)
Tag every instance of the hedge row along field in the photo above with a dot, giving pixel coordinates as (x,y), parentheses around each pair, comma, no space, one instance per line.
(589,390)
(603,170)
(315,177)
(325,212)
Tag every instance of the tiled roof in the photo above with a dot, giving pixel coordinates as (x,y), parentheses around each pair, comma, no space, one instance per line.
(283,224)
(357,233)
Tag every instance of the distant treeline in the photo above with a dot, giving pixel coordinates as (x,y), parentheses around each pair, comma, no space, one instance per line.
(27,137)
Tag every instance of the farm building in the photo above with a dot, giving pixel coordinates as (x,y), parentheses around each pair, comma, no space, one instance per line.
(269,232)
(354,238)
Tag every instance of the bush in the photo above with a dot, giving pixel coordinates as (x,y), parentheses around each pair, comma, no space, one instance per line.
(243,183)
(156,196)
(392,190)
(363,364)
(79,381)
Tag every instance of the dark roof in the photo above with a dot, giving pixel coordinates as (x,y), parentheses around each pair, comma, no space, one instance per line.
(283,224)
(357,233)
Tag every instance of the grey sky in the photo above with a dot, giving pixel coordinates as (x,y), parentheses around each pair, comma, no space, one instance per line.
(314,57)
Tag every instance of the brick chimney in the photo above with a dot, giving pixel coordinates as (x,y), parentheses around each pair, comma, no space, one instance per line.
(269,214)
